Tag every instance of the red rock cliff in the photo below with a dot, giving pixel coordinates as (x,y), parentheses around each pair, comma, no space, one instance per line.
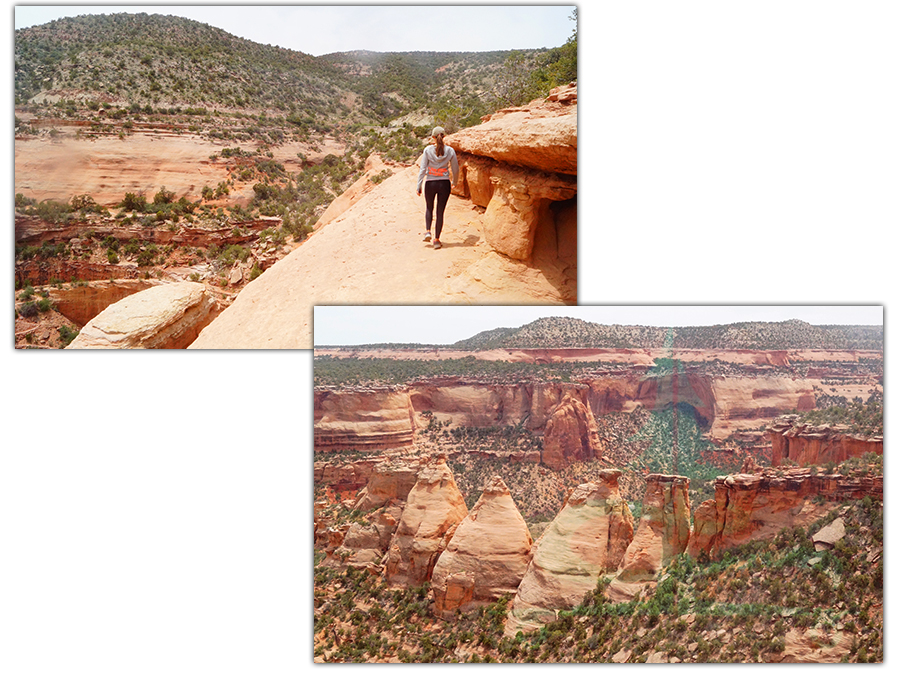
(796,443)
(758,506)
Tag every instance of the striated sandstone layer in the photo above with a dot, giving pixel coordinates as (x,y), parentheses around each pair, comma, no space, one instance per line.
(796,443)
(571,435)
(434,507)
(476,404)
(165,316)
(390,480)
(587,538)
(662,534)
(487,556)
(364,419)
(542,134)
(758,506)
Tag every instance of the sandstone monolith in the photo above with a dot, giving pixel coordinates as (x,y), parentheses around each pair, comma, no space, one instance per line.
(165,316)
(570,435)
(434,507)
(587,538)
(662,534)
(487,556)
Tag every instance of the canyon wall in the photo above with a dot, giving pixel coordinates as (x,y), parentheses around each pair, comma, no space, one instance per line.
(796,443)
(363,419)
(723,406)
(758,506)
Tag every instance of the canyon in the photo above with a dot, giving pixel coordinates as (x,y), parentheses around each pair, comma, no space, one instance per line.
(511,240)
(619,504)
(732,394)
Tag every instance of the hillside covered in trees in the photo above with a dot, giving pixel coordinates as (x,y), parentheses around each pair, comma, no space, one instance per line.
(170,65)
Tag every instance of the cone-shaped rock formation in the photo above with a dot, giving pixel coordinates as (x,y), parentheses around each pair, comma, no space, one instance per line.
(587,538)
(434,507)
(487,556)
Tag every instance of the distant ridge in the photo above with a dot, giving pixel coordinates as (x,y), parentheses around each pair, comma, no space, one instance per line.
(569,332)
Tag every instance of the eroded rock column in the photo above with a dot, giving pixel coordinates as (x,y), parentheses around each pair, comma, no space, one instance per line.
(434,507)
(587,538)
(487,556)
(662,534)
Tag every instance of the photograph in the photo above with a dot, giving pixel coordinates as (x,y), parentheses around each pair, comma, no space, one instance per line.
(599,484)
(401,407)
(182,183)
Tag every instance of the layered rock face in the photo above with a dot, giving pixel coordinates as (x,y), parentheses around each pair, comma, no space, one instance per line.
(571,435)
(364,546)
(723,405)
(758,506)
(487,556)
(587,538)
(390,480)
(795,443)
(662,534)
(515,164)
(475,404)
(344,475)
(434,507)
(362,419)
(165,316)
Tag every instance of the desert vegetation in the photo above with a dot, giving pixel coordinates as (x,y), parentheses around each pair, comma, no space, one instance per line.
(761,602)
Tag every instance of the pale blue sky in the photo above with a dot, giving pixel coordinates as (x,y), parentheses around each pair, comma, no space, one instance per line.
(344,325)
(322,29)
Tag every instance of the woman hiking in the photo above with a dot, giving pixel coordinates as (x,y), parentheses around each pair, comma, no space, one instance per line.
(437,163)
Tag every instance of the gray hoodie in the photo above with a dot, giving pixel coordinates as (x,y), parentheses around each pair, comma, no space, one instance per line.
(436,167)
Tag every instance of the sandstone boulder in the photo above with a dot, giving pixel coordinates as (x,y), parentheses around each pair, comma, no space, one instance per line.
(828,536)
(542,135)
(571,435)
(81,303)
(662,534)
(434,507)
(487,556)
(165,316)
(587,538)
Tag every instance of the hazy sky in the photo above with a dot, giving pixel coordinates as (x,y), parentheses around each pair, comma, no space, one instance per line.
(318,30)
(343,325)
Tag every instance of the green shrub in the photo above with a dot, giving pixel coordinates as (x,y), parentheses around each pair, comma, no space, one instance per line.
(67,335)
(28,309)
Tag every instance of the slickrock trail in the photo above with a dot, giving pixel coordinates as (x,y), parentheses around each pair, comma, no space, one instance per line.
(374,253)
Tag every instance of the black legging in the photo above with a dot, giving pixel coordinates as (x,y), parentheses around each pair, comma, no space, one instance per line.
(441,188)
